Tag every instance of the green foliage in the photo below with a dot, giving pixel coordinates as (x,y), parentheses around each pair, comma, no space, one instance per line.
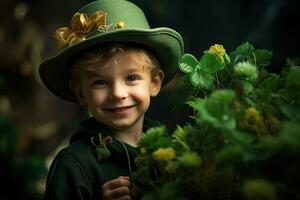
(201,79)
(263,57)
(201,72)
(244,142)
(210,63)
(293,76)
(188,63)
(245,70)
(215,110)
(154,139)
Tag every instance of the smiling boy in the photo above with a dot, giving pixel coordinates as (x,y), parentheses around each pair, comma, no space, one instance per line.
(112,63)
(116,88)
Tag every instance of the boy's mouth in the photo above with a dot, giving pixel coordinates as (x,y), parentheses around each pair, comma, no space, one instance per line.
(118,109)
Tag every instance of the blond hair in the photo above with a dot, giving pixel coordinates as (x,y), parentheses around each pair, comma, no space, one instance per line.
(90,59)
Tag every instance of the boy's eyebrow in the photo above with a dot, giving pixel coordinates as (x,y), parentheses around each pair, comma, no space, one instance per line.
(134,69)
(92,75)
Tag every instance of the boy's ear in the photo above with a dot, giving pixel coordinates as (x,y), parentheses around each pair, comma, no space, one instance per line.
(78,93)
(156,83)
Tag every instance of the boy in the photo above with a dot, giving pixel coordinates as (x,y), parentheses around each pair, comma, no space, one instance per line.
(112,63)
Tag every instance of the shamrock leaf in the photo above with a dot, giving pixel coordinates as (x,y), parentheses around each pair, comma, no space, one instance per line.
(245,48)
(244,52)
(188,63)
(211,63)
(201,79)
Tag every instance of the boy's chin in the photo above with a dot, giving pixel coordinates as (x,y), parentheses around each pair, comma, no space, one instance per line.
(122,124)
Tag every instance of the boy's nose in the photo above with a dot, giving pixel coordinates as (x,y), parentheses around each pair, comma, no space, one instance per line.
(118,91)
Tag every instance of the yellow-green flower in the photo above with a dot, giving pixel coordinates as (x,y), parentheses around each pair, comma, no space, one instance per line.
(191,159)
(246,69)
(253,114)
(217,50)
(164,154)
(254,122)
(180,133)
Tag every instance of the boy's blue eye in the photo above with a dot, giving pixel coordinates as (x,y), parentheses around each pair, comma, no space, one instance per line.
(132,78)
(99,83)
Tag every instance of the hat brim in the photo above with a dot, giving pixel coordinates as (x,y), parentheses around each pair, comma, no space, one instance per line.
(166,43)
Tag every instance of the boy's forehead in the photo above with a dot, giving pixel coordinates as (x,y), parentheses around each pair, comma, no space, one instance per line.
(118,62)
(123,61)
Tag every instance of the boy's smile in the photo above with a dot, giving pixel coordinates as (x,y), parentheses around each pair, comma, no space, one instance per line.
(119,111)
(118,93)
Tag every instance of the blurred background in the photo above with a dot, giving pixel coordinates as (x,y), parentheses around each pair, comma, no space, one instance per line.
(35,124)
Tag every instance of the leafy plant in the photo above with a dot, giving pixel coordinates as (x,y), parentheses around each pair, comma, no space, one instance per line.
(244,140)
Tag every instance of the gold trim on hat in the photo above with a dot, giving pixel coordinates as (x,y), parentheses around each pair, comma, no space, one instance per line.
(81,25)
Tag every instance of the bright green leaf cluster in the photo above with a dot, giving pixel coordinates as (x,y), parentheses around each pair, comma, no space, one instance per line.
(215,110)
(245,128)
(202,72)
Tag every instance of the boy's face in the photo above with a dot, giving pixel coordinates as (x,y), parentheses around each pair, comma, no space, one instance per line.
(118,94)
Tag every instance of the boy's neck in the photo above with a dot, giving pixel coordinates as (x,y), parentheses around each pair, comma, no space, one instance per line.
(132,134)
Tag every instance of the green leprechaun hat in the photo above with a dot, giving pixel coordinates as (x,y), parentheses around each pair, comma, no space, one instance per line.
(106,21)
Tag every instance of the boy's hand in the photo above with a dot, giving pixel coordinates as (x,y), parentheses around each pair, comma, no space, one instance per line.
(117,189)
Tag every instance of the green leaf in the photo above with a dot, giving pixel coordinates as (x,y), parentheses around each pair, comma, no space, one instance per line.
(290,136)
(250,101)
(202,80)
(263,57)
(290,62)
(210,63)
(195,103)
(269,85)
(224,96)
(188,63)
(151,136)
(293,62)
(227,58)
(216,111)
(245,48)
(247,87)
(293,77)
(289,109)
(244,52)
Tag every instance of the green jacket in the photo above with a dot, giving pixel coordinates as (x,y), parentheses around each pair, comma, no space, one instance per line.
(78,173)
